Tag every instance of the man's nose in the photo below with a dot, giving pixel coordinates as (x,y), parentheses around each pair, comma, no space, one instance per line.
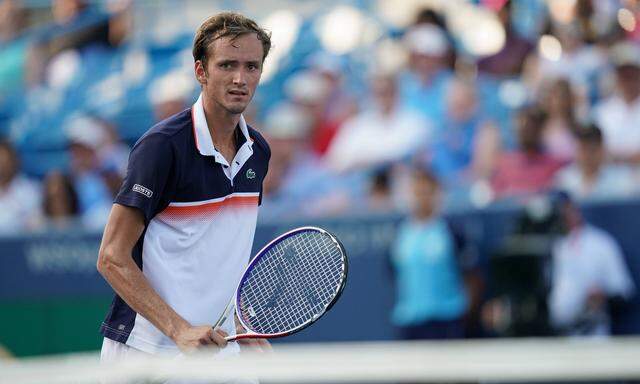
(239,78)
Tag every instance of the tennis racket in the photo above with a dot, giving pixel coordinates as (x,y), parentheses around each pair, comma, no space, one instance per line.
(289,284)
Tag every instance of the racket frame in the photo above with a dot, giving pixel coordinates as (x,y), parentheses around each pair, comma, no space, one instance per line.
(235,300)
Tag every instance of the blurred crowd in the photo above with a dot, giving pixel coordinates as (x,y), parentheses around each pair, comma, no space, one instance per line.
(418,123)
(557,108)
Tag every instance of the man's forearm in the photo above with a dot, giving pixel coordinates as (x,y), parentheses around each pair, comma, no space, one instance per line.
(133,287)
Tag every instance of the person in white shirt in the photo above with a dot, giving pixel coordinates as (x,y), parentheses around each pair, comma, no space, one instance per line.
(619,115)
(590,177)
(589,280)
(385,132)
(19,196)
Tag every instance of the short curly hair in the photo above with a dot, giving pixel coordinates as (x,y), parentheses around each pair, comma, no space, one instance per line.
(223,25)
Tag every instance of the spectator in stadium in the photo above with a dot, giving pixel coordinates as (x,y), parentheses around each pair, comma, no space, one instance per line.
(389,131)
(591,177)
(338,104)
(590,280)
(558,132)
(529,169)
(510,59)
(298,182)
(580,62)
(86,136)
(13,20)
(19,196)
(171,93)
(60,201)
(431,16)
(423,86)
(466,144)
(619,115)
(380,196)
(13,17)
(78,29)
(430,293)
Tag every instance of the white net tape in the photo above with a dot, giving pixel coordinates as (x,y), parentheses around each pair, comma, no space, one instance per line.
(534,360)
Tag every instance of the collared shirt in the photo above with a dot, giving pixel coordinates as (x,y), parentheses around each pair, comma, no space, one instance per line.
(429,283)
(585,261)
(372,138)
(620,124)
(200,213)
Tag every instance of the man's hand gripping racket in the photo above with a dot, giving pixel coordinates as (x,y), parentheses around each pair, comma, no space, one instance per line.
(289,284)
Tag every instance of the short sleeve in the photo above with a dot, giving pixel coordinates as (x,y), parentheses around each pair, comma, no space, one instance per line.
(267,151)
(146,185)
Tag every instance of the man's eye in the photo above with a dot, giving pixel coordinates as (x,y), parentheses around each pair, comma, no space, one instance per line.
(253,67)
(225,65)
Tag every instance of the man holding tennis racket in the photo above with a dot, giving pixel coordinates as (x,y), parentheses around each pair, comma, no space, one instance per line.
(181,230)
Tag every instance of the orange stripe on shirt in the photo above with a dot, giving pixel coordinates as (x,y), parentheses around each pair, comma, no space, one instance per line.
(209,208)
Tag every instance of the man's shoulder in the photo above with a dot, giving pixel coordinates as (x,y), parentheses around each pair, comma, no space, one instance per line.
(259,141)
(599,238)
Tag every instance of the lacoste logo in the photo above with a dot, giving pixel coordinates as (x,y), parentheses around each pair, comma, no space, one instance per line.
(142,190)
(251,174)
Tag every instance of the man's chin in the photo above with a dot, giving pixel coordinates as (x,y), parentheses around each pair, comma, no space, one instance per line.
(235,109)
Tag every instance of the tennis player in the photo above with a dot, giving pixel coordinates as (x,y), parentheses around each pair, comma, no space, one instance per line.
(181,229)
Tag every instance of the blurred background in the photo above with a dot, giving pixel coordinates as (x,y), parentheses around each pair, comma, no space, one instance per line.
(480,160)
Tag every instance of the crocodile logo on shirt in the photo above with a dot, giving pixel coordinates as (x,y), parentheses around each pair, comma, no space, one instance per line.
(251,174)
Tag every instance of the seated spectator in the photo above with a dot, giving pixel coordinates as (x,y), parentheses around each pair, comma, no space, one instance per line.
(619,115)
(19,196)
(86,138)
(13,20)
(60,201)
(529,169)
(590,177)
(388,131)
(590,280)
(558,133)
(465,145)
(430,297)
(171,93)
(579,61)
(510,59)
(423,86)
(380,198)
(297,183)
(338,104)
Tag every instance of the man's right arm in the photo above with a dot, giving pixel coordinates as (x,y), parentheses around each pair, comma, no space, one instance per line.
(123,229)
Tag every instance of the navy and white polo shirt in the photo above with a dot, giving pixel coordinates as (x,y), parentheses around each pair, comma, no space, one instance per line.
(200,214)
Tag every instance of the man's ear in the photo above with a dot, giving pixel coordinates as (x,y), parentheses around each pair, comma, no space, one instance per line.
(201,73)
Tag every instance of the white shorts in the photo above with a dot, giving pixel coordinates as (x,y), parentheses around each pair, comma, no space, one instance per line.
(113,351)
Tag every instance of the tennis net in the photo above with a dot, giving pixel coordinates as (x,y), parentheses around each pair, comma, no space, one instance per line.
(515,360)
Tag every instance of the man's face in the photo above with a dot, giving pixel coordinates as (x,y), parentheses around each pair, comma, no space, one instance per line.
(232,73)
(628,77)
(425,196)
(590,156)
(8,166)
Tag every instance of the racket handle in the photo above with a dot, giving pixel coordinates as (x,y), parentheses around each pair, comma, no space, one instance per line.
(241,336)
(225,315)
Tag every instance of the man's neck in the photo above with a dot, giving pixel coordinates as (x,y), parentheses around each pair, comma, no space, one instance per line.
(221,123)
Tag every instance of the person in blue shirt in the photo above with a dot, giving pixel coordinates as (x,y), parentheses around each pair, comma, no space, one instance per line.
(431,300)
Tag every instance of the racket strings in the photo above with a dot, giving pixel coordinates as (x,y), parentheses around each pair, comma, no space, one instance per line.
(297,311)
(292,283)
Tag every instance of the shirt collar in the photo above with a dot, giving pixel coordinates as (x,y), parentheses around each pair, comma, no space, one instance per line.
(204,143)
